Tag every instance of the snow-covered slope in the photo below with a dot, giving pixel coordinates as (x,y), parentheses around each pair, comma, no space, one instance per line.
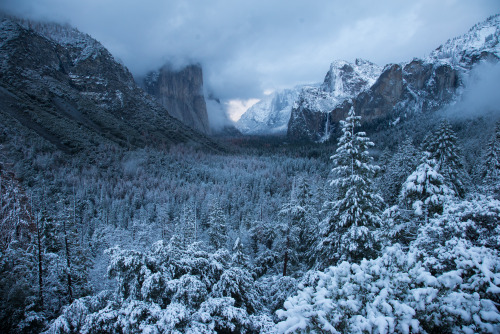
(482,40)
(66,36)
(270,115)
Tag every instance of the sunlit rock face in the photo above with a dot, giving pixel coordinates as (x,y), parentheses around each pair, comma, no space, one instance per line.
(181,93)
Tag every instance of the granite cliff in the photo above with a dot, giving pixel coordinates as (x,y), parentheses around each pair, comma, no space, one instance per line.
(181,93)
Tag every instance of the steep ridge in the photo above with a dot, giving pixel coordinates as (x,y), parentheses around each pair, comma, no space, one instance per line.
(62,85)
(400,90)
(181,93)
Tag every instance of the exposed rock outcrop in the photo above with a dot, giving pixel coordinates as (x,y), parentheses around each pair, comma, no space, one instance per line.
(181,93)
(311,118)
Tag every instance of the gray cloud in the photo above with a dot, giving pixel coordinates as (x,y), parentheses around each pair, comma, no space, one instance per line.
(247,47)
(481,95)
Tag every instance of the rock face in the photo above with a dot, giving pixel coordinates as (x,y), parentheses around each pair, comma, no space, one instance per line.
(61,85)
(181,93)
(421,85)
(310,118)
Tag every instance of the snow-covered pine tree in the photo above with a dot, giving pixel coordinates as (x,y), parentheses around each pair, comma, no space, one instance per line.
(238,257)
(354,214)
(398,168)
(306,198)
(291,213)
(492,157)
(425,190)
(443,148)
(299,225)
(217,228)
(187,224)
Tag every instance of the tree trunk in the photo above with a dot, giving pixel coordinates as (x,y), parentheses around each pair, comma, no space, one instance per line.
(285,261)
(40,273)
(68,263)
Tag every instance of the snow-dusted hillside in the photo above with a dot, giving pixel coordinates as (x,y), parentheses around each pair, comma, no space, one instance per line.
(271,114)
(66,36)
(482,40)
(65,87)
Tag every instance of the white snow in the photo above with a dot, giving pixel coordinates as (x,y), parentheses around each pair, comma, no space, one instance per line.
(271,114)
(484,36)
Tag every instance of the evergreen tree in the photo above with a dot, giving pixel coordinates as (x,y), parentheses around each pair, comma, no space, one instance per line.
(298,227)
(398,168)
(443,148)
(492,157)
(238,257)
(188,226)
(307,218)
(354,214)
(217,228)
(425,190)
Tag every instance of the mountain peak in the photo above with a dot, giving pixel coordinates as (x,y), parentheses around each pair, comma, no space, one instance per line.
(345,79)
(271,114)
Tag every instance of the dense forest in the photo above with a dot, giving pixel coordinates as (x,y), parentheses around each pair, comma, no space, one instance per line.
(393,230)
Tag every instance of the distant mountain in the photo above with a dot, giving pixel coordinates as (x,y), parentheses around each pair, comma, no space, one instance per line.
(270,115)
(62,85)
(398,90)
(309,119)
(344,80)
(180,91)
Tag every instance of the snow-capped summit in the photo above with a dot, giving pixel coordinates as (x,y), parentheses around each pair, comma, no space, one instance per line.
(345,79)
(396,91)
(481,41)
(65,35)
(271,114)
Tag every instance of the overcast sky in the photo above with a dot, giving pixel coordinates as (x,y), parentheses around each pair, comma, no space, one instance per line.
(247,48)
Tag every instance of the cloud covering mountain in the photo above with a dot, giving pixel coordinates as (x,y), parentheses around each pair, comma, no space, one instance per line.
(248,47)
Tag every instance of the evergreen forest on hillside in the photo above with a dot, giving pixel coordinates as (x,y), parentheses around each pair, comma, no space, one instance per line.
(376,232)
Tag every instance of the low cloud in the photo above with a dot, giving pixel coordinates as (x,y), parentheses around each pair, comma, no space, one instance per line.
(248,47)
(481,95)
(217,115)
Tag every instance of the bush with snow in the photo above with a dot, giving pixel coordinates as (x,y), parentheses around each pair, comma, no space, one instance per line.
(170,289)
(446,281)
